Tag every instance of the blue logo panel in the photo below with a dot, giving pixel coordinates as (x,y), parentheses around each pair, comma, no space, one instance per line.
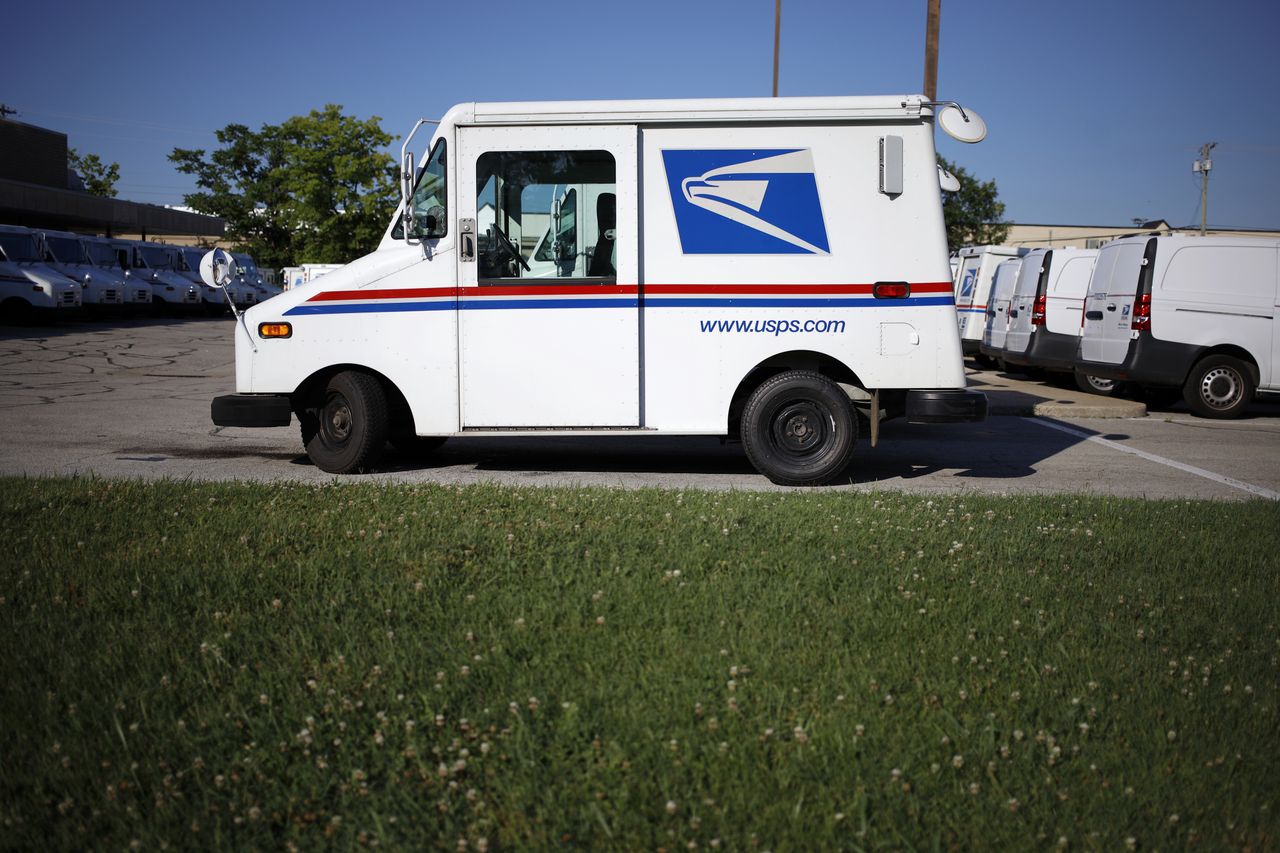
(969,280)
(746,202)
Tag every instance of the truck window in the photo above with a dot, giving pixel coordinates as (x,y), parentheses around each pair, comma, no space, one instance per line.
(429,197)
(546,215)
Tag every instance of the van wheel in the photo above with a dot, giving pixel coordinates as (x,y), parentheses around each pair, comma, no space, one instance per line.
(799,429)
(347,433)
(1219,387)
(1098,385)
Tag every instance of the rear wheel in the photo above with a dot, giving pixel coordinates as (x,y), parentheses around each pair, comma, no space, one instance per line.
(347,432)
(799,429)
(1219,387)
(1097,385)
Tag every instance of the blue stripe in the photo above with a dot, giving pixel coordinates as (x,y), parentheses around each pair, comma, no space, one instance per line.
(652,302)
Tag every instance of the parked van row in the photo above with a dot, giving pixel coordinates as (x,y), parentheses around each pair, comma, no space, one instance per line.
(46,274)
(1165,316)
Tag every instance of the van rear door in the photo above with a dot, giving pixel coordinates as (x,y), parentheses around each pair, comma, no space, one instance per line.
(1035,269)
(1108,308)
(998,302)
(539,350)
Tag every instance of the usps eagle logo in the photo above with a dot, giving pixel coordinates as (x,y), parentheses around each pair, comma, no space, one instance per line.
(746,202)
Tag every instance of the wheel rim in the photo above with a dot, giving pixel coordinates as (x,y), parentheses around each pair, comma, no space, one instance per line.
(800,429)
(335,420)
(1097,383)
(1221,388)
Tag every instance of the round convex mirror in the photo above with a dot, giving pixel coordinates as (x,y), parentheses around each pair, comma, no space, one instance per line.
(217,268)
(966,126)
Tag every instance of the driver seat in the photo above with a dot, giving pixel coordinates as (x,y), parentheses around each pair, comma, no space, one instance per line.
(601,265)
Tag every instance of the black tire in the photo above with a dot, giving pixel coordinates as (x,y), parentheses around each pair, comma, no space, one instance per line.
(347,432)
(1219,387)
(799,429)
(16,312)
(986,362)
(1098,385)
(416,446)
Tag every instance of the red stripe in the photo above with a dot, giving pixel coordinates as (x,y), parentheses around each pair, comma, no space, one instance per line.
(616,290)
(397,293)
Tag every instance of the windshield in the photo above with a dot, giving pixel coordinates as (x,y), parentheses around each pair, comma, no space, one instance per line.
(103,255)
(19,247)
(156,258)
(192,257)
(66,250)
(246,263)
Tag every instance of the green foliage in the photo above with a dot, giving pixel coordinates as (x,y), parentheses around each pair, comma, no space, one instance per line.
(313,189)
(973,214)
(99,178)
(265,666)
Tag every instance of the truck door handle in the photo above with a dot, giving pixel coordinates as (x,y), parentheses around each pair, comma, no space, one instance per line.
(1111,307)
(1093,315)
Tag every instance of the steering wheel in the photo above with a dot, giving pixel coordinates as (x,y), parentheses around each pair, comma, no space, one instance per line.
(507,246)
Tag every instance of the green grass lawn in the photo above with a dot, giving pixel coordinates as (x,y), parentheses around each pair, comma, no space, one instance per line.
(250,666)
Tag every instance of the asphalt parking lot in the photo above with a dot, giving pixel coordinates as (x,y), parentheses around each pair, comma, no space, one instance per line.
(132,401)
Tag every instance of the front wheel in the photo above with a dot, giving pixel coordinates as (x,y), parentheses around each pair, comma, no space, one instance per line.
(1219,387)
(799,429)
(347,432)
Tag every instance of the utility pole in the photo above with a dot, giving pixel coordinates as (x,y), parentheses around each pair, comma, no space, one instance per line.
(1203,165)
(931,50)
(777,41)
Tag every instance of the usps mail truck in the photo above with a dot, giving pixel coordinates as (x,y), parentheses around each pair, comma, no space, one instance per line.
(1195,313)
(762,269)
(976,272)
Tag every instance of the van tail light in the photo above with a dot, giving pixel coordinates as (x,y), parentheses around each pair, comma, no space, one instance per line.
(1082,310)
(1142,313)
(1037,312)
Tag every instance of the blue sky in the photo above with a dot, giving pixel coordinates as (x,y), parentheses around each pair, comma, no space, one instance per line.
(1096,109)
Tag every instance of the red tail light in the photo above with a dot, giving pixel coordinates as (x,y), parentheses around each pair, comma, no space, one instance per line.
(1037,312)
(1142,313)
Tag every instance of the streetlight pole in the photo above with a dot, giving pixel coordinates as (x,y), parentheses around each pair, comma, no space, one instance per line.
(777,41)
(1203,165)
(931,50)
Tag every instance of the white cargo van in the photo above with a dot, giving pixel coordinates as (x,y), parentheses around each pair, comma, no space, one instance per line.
(751,267)
(998,302)
(48,294)
(976,272)
(1044,315)
(1196,313)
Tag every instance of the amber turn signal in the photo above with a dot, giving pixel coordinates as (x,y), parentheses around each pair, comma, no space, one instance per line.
(275,330)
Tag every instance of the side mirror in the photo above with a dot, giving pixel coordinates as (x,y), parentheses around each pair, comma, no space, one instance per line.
(406,190)
(217,268)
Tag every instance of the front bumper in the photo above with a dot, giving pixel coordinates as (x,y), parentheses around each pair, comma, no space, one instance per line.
(946,407)
(251,410)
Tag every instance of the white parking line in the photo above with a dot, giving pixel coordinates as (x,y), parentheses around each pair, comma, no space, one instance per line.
(1151,457)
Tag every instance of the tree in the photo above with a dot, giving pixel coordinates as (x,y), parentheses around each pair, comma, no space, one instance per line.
(99,179)
(314,189)
(972,213)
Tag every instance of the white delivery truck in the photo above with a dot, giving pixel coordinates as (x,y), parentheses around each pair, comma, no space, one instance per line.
(48,294)
(157,265)
(975,272)
(103,291)
(1195,313)
(300,275)
(1050,282)
(104,256)
(751,268)
(998,302)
